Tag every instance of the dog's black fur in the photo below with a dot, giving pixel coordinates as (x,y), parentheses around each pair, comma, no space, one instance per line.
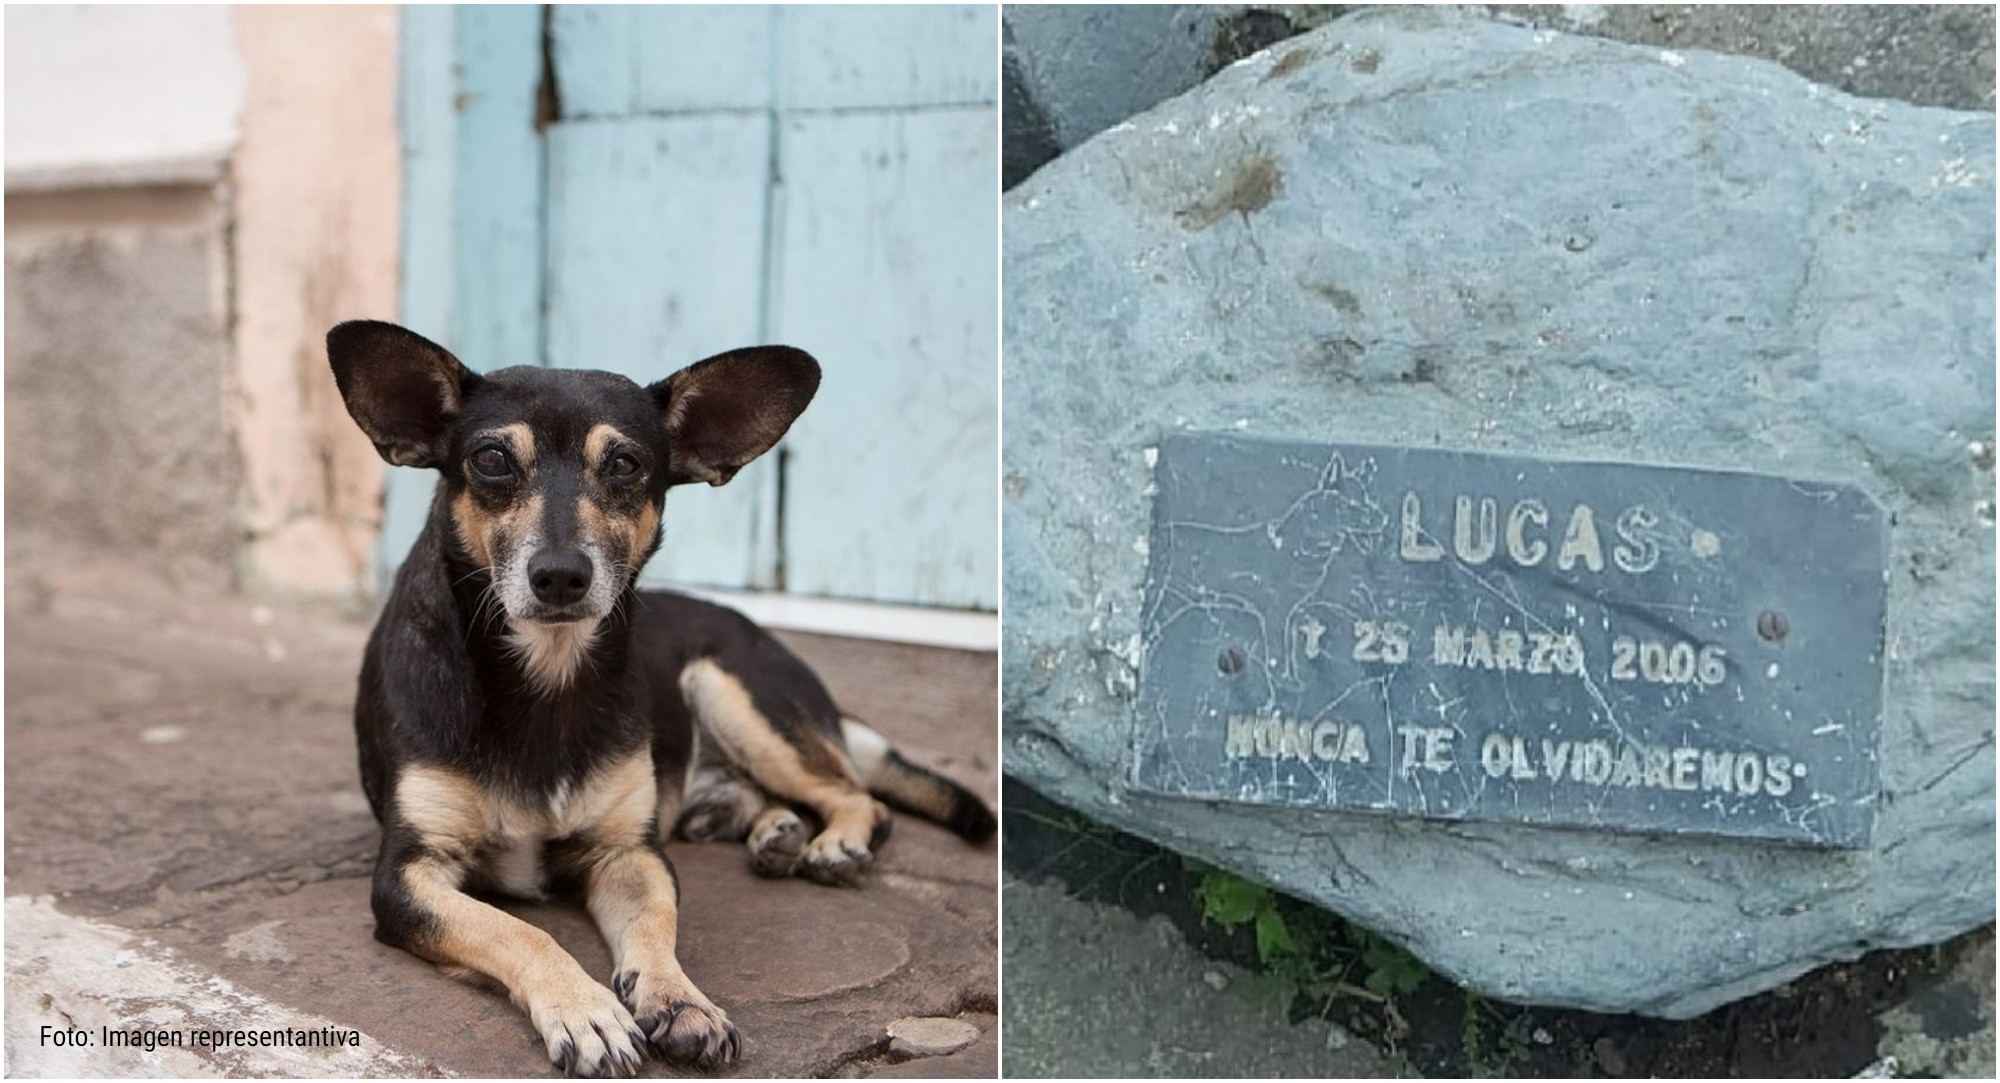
(528,720)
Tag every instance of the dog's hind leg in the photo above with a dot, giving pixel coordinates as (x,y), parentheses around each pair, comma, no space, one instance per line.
(720,806)
(797,763)
(723,806)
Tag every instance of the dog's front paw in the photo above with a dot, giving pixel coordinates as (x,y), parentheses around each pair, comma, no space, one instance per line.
(681,1024)
(589,1033)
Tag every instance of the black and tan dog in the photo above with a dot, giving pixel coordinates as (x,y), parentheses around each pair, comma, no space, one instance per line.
(529,721)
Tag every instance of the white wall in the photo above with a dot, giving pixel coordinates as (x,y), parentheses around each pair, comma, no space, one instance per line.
(120,94)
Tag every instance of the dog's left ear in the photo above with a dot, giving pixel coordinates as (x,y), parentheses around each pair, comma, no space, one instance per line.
(725,411)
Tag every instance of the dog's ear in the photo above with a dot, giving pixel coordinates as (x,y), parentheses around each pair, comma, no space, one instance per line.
(402,389)
(725,411)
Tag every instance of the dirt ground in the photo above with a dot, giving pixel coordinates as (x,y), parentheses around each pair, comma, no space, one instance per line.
(188,847)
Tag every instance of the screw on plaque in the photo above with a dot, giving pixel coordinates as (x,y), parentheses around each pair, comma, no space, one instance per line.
(1230,661)
(1772,626)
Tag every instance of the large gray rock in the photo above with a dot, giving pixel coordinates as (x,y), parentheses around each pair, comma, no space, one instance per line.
(1073,70)
(1416,227)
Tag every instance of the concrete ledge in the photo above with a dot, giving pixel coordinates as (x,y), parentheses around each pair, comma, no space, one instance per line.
(929,627)
(204,170)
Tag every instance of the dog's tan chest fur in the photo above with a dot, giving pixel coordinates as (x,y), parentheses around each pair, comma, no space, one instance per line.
(498,839)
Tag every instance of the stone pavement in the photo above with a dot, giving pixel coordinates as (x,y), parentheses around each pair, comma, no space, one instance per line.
(1115,994)
(187,846)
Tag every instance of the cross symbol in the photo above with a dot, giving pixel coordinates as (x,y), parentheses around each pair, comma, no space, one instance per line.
(1312,629)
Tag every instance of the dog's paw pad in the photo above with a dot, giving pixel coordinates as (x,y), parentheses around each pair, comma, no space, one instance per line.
(676,1021)
(590,1035)
(830,862)
(777,845)
(693,1034)
(598,1053)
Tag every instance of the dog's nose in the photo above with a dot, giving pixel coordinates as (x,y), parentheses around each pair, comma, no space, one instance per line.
(559,576)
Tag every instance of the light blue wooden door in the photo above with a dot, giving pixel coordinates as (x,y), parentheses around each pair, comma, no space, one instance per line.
(713,177)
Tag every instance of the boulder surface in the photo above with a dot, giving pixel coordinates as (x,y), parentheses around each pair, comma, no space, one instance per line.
(1421,228)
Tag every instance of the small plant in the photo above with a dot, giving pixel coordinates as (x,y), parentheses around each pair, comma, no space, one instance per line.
(1470,1041)
(1509,1049)
(1307,950)
(1312,960)
(1516,1042)
(1392,972)
(1231,901)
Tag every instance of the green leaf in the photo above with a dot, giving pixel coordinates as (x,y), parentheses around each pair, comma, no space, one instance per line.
(1377,982)
(1230,900)
(1274,940)
(1391,969)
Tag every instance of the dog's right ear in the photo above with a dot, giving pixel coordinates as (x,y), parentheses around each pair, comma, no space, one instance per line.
(402,389)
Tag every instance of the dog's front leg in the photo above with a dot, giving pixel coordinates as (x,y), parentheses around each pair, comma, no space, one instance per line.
(420,906)
(636,901)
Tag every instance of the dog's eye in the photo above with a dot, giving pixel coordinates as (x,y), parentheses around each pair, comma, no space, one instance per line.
(622,466)
(491,463)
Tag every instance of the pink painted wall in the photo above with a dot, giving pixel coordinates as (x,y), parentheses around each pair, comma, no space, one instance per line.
(318,189)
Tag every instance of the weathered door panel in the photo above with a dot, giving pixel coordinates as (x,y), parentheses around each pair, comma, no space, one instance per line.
(715,177)
(891,57)
(656,260)
(880,265)
(472,208)
(631,60)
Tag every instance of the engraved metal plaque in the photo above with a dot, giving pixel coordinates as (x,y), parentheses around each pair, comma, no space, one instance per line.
(1483,637)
